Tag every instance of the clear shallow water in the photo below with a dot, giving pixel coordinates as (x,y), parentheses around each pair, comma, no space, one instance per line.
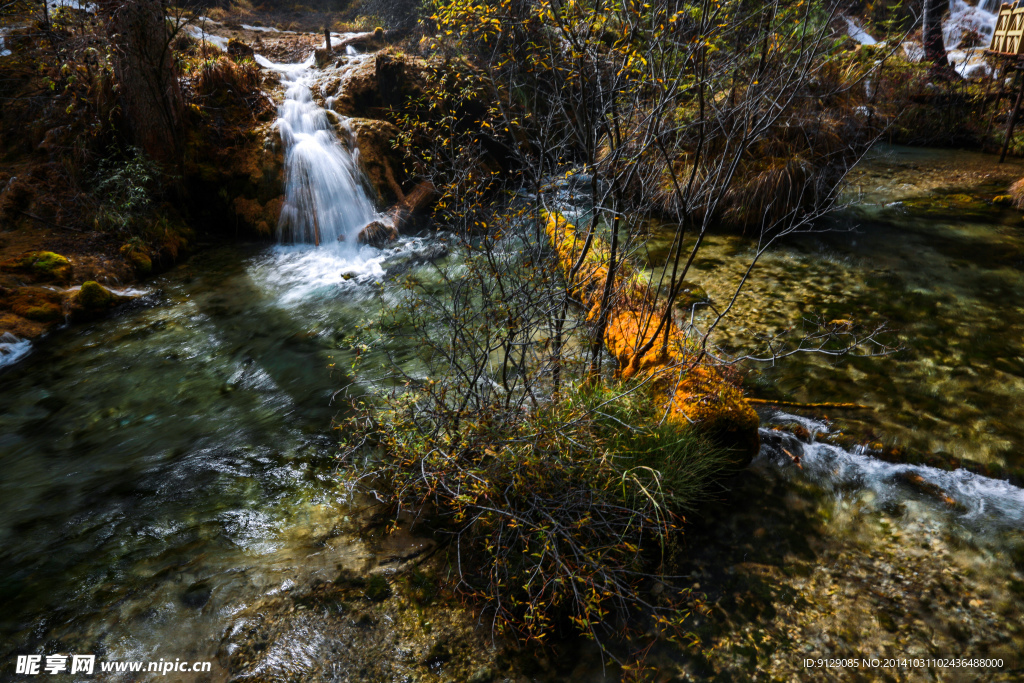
(927,252)
(165,467)
(818,550)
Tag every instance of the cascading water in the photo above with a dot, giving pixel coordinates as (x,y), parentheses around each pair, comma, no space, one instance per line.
(975,498)
(964,18)
(325,200)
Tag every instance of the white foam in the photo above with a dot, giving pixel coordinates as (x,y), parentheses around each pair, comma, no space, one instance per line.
(13,349)
(969,63)
(200,34)
(123,291)
(815,427)
(265,29)
(913,51)
(980,500)
(72,4)
(337,39)
(300,272)
(857,33)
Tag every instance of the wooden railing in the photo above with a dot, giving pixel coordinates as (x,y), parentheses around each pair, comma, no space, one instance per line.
(1008,36)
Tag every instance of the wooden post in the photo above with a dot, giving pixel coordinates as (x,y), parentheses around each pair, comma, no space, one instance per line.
(1011,123)
(988,88)
(1001,94)
(327,38)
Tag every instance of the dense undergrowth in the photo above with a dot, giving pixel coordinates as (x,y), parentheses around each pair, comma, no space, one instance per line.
(558,519)
(71,158)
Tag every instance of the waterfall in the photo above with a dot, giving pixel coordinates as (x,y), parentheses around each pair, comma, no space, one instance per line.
(964,17)
(325,199)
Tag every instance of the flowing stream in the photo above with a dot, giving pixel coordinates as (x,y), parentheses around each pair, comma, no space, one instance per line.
(168,467)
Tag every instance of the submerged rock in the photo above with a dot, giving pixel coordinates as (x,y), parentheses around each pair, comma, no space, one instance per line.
(197,595)
(377,234)
(690,295)
(377,588)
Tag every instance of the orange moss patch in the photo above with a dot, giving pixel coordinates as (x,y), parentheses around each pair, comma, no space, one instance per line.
(37,304)
(698,392)
(262,217)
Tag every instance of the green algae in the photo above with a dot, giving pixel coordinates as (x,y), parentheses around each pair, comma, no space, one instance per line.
(42,265)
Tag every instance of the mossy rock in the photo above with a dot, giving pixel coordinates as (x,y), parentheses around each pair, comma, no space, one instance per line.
(143,264)
(238,50)
(41,265)
(95,297)
(690,295)
(382,85)
(377,588)
(34,303)
(380,159)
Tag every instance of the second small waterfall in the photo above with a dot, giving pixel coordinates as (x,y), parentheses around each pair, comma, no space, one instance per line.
(325,200)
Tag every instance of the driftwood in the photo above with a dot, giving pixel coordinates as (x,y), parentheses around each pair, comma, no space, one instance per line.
(794,404)
(361,39)
(389,225)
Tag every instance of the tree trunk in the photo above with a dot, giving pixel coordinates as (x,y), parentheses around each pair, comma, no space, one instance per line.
(931,32)
(144,68)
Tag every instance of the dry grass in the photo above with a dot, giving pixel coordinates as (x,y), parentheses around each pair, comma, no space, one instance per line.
(1017,194)
(220,75)
(792,169)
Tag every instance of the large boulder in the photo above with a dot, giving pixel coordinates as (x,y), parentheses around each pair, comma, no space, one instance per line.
(380,158)
(93,300)
(378,234)
(378,85)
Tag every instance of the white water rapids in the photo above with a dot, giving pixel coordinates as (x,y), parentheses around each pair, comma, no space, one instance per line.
(325,196)
(978,499)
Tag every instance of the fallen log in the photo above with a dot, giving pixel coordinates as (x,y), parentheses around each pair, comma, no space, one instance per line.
(794,404)
(696,392)
(390,224)
(355,39)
